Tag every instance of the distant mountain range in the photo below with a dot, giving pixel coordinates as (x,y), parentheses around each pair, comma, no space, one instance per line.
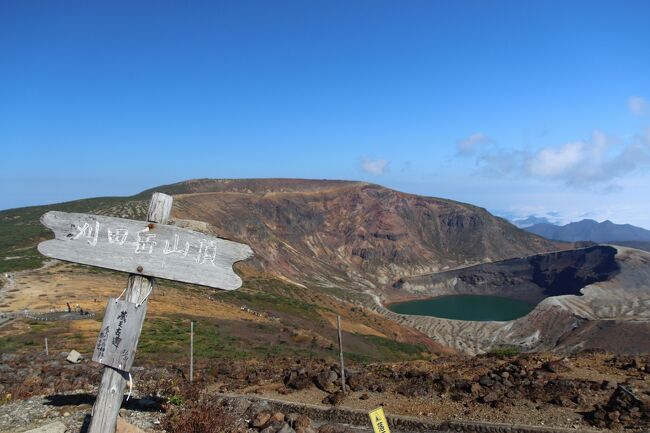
(590,230)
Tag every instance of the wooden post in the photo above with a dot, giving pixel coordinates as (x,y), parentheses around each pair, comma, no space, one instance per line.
(111,390)
(338,325)
(191,351)
(47,352)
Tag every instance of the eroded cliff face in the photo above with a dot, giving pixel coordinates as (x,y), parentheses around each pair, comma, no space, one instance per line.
(612,313)
(529,279)
(365,237)
(350,234)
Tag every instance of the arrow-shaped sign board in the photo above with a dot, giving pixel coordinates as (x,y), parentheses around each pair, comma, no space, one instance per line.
(139,247)
(144,250)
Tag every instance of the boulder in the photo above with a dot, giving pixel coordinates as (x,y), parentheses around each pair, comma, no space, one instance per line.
(261,418)
(258,406)
(297,379)
(549,366)
(334,399)
(302,422)
(607,384)
(490,397)
(485,381)
(613,415)
(277,416)
(326,380)
(74,357)
(623,407)
(356,382)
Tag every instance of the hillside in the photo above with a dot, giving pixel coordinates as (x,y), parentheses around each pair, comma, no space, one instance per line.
(349,233)
(334,248)
(333,233)
(313,241)
(590,230)
(645,246)
(21,230)
(324,248)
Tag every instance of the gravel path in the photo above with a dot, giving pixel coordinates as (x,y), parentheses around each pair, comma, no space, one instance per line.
(71,409)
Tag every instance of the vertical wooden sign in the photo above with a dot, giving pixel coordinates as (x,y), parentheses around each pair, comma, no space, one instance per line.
(119,335)
(111,389)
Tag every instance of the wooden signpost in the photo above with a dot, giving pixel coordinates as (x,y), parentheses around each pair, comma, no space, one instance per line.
(338,327)
(192,351)
(145,250)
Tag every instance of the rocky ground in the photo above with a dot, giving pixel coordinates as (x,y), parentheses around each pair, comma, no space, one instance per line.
(589,390)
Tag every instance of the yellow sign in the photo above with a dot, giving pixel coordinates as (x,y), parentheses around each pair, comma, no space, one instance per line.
(378,419)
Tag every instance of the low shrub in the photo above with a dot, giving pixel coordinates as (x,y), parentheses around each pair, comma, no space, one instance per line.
(201,417)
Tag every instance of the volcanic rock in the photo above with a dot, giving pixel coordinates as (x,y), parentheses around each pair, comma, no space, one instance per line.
(334,399)
(261,418)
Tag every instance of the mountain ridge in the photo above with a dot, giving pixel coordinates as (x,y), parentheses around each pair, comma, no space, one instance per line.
(342,246)
(356,233)
(335,232)
(591,230)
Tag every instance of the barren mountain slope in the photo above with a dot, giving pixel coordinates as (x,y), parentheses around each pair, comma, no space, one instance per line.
(317,236)
(264,317)
(350,234)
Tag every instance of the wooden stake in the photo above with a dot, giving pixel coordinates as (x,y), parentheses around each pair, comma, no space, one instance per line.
(111,390)
(47,352)
(191,351)
(338,325)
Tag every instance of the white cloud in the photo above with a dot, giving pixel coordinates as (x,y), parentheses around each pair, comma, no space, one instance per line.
(374,166)
(576,161)
(468,146)
(637,105)
(596,162)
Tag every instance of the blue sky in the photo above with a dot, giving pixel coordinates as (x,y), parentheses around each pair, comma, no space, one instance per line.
(521,107)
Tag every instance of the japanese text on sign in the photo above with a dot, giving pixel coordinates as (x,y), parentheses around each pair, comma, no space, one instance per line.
(144,242)
(378,420)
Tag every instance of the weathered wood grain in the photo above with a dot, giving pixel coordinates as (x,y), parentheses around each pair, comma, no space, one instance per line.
(111,389)
(145,248)
(160,208)
(119,335)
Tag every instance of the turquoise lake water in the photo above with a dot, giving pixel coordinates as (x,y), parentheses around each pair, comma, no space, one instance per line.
(466,307)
